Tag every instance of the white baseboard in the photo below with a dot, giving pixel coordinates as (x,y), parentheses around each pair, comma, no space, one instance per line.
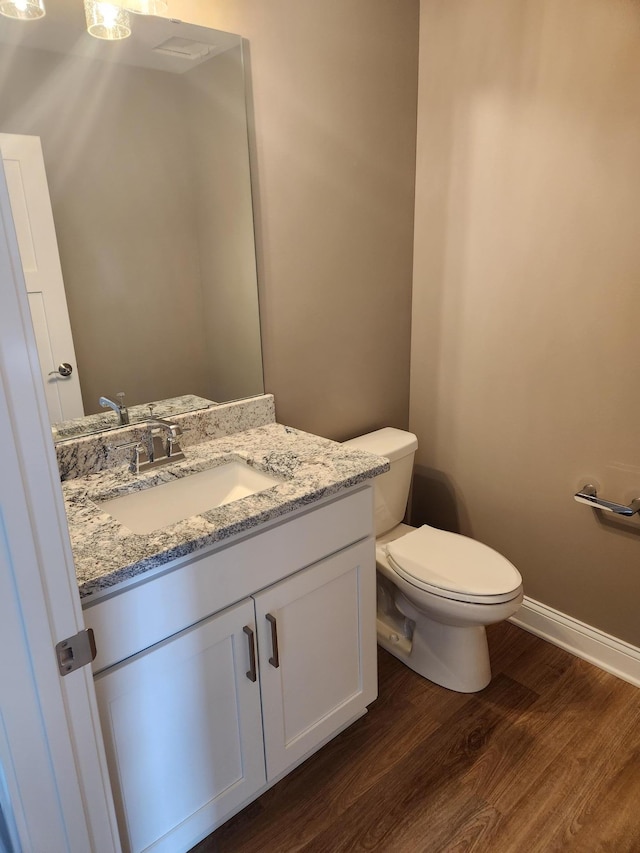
(607,652)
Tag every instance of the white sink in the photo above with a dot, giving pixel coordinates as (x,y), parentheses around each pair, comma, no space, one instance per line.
(159,506)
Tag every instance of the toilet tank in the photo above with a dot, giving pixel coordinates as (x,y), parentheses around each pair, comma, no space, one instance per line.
(392,488)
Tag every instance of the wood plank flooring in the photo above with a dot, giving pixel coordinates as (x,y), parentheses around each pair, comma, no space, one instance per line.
(545,759)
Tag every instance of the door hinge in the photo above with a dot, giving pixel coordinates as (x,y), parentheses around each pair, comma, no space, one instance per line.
(76,651)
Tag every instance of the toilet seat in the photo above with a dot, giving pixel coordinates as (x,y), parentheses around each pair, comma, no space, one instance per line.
(453,566)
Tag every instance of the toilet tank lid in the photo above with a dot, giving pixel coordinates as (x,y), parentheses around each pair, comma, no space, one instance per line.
(390,442)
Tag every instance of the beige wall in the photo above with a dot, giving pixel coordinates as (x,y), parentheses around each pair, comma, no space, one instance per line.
(334,99)
(525,375)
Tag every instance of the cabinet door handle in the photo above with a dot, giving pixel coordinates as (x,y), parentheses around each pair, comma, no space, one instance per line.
(275,660)
(251,672)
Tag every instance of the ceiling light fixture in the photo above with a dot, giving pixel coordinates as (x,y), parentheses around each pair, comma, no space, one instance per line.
(22,10)
(107,20)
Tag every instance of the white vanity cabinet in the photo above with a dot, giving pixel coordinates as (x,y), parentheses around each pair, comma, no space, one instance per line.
(317,682)
(183,733)
(190,736)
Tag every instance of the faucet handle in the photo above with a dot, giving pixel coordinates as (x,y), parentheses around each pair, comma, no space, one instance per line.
(174,451)
(140,455)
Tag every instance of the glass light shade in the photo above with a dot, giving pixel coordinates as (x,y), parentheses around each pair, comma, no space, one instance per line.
(107,20)
(23,10)
(146,7)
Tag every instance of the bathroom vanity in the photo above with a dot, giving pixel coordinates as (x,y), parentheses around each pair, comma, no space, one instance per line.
(233,644)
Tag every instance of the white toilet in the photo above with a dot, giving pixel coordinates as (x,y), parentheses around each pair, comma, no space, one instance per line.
(436,590)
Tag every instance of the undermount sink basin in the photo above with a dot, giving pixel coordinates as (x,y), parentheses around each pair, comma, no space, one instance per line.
(159,506)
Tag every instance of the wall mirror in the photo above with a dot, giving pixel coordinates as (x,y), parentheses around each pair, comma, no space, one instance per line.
(145,153)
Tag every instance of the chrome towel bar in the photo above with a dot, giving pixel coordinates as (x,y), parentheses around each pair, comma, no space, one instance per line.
(588,495)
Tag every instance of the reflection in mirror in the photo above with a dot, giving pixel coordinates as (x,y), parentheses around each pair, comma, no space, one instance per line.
(144,145)
(109,420)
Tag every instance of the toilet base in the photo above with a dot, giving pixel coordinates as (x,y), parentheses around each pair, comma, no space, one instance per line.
(453,657)
(442,640)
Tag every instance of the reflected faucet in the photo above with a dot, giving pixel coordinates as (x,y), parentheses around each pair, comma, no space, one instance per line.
(119,408)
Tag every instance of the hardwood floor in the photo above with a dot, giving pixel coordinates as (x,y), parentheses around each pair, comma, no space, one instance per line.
(547,758)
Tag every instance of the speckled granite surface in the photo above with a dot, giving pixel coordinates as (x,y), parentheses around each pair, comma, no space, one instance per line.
(107,553)
(108,419)
(89,454)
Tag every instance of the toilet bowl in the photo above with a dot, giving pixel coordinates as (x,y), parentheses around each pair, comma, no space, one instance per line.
(437,591)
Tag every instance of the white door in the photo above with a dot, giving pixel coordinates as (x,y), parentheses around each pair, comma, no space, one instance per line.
(183,732)
(19,712)
(316,635)
(53,776)
(33,218)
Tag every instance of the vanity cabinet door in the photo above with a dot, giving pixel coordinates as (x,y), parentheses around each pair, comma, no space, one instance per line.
(183,732)
(317,645)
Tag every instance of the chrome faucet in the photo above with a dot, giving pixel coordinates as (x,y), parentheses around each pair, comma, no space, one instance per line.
(119,408)
(173,429)
(150,451)
(161,452)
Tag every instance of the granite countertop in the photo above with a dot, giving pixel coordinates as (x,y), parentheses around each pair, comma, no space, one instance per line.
(310,468)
